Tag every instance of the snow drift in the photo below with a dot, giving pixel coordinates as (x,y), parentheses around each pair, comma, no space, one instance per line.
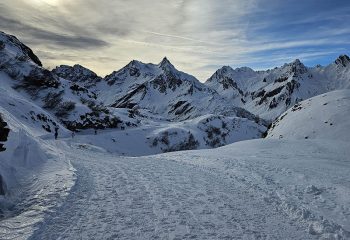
(35,176)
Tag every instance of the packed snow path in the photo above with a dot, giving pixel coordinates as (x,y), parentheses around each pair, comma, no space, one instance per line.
(188,195)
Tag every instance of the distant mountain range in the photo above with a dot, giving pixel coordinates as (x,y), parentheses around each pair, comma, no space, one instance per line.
(76,98)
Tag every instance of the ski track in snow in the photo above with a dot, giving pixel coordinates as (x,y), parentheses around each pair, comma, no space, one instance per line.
(157,197)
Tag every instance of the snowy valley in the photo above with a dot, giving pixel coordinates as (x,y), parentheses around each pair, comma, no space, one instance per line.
(150,152)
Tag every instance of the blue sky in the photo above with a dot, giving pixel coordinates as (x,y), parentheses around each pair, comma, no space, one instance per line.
(198,36)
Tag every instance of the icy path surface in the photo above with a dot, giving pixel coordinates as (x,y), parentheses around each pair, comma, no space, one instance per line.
(242,191)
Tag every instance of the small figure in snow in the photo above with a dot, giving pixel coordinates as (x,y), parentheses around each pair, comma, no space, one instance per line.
(95,131)
(73,134)
(56,133)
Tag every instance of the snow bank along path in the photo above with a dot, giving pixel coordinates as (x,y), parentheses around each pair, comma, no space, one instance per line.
(264,189)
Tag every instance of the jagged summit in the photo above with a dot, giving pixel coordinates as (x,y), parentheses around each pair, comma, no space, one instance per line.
(343,60)
(225,69)
(135,63)
(295,67)
(77,73)
(296,61)
(165,64)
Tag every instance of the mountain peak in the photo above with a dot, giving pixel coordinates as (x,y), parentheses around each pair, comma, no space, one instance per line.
(166,64)
(165,60)
(134,63)
(296,67)
(79,66)
(343,60)
(297,62)
(294,63)
(226,69)
(77,73)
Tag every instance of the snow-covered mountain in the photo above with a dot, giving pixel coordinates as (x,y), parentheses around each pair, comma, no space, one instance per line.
(69,101)
(141,86)
(325,116)
(141,93)
(76,98)
(270,93)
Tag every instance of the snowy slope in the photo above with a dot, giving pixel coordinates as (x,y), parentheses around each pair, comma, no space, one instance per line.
(260,189)
(33,118)
(208,131)
(322,117)
(270,93)
(35,177)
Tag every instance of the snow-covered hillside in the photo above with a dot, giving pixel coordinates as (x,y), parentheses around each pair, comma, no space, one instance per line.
(322,117)
(72,104)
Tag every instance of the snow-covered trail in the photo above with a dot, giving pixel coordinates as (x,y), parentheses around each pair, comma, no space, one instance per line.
(185,195)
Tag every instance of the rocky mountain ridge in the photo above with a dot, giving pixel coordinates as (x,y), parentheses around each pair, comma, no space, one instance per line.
(269,93)
(146,93)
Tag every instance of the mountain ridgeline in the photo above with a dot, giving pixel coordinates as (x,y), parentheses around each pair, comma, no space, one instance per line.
(76,98)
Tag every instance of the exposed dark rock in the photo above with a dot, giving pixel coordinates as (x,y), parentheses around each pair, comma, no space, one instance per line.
(270,94)
(183,109)
(297,68)
(2,186)
(166,81)
(38,79)
(176,106)
(126,101)
(343,60)
(281,79)
(64,108)
(4,132)
(273,103)
(77,73)
(94,121)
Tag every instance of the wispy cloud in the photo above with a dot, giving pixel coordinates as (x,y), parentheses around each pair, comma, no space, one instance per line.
(197,35)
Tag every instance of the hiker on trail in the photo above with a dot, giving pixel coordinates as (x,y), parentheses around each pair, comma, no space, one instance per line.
(56,133)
